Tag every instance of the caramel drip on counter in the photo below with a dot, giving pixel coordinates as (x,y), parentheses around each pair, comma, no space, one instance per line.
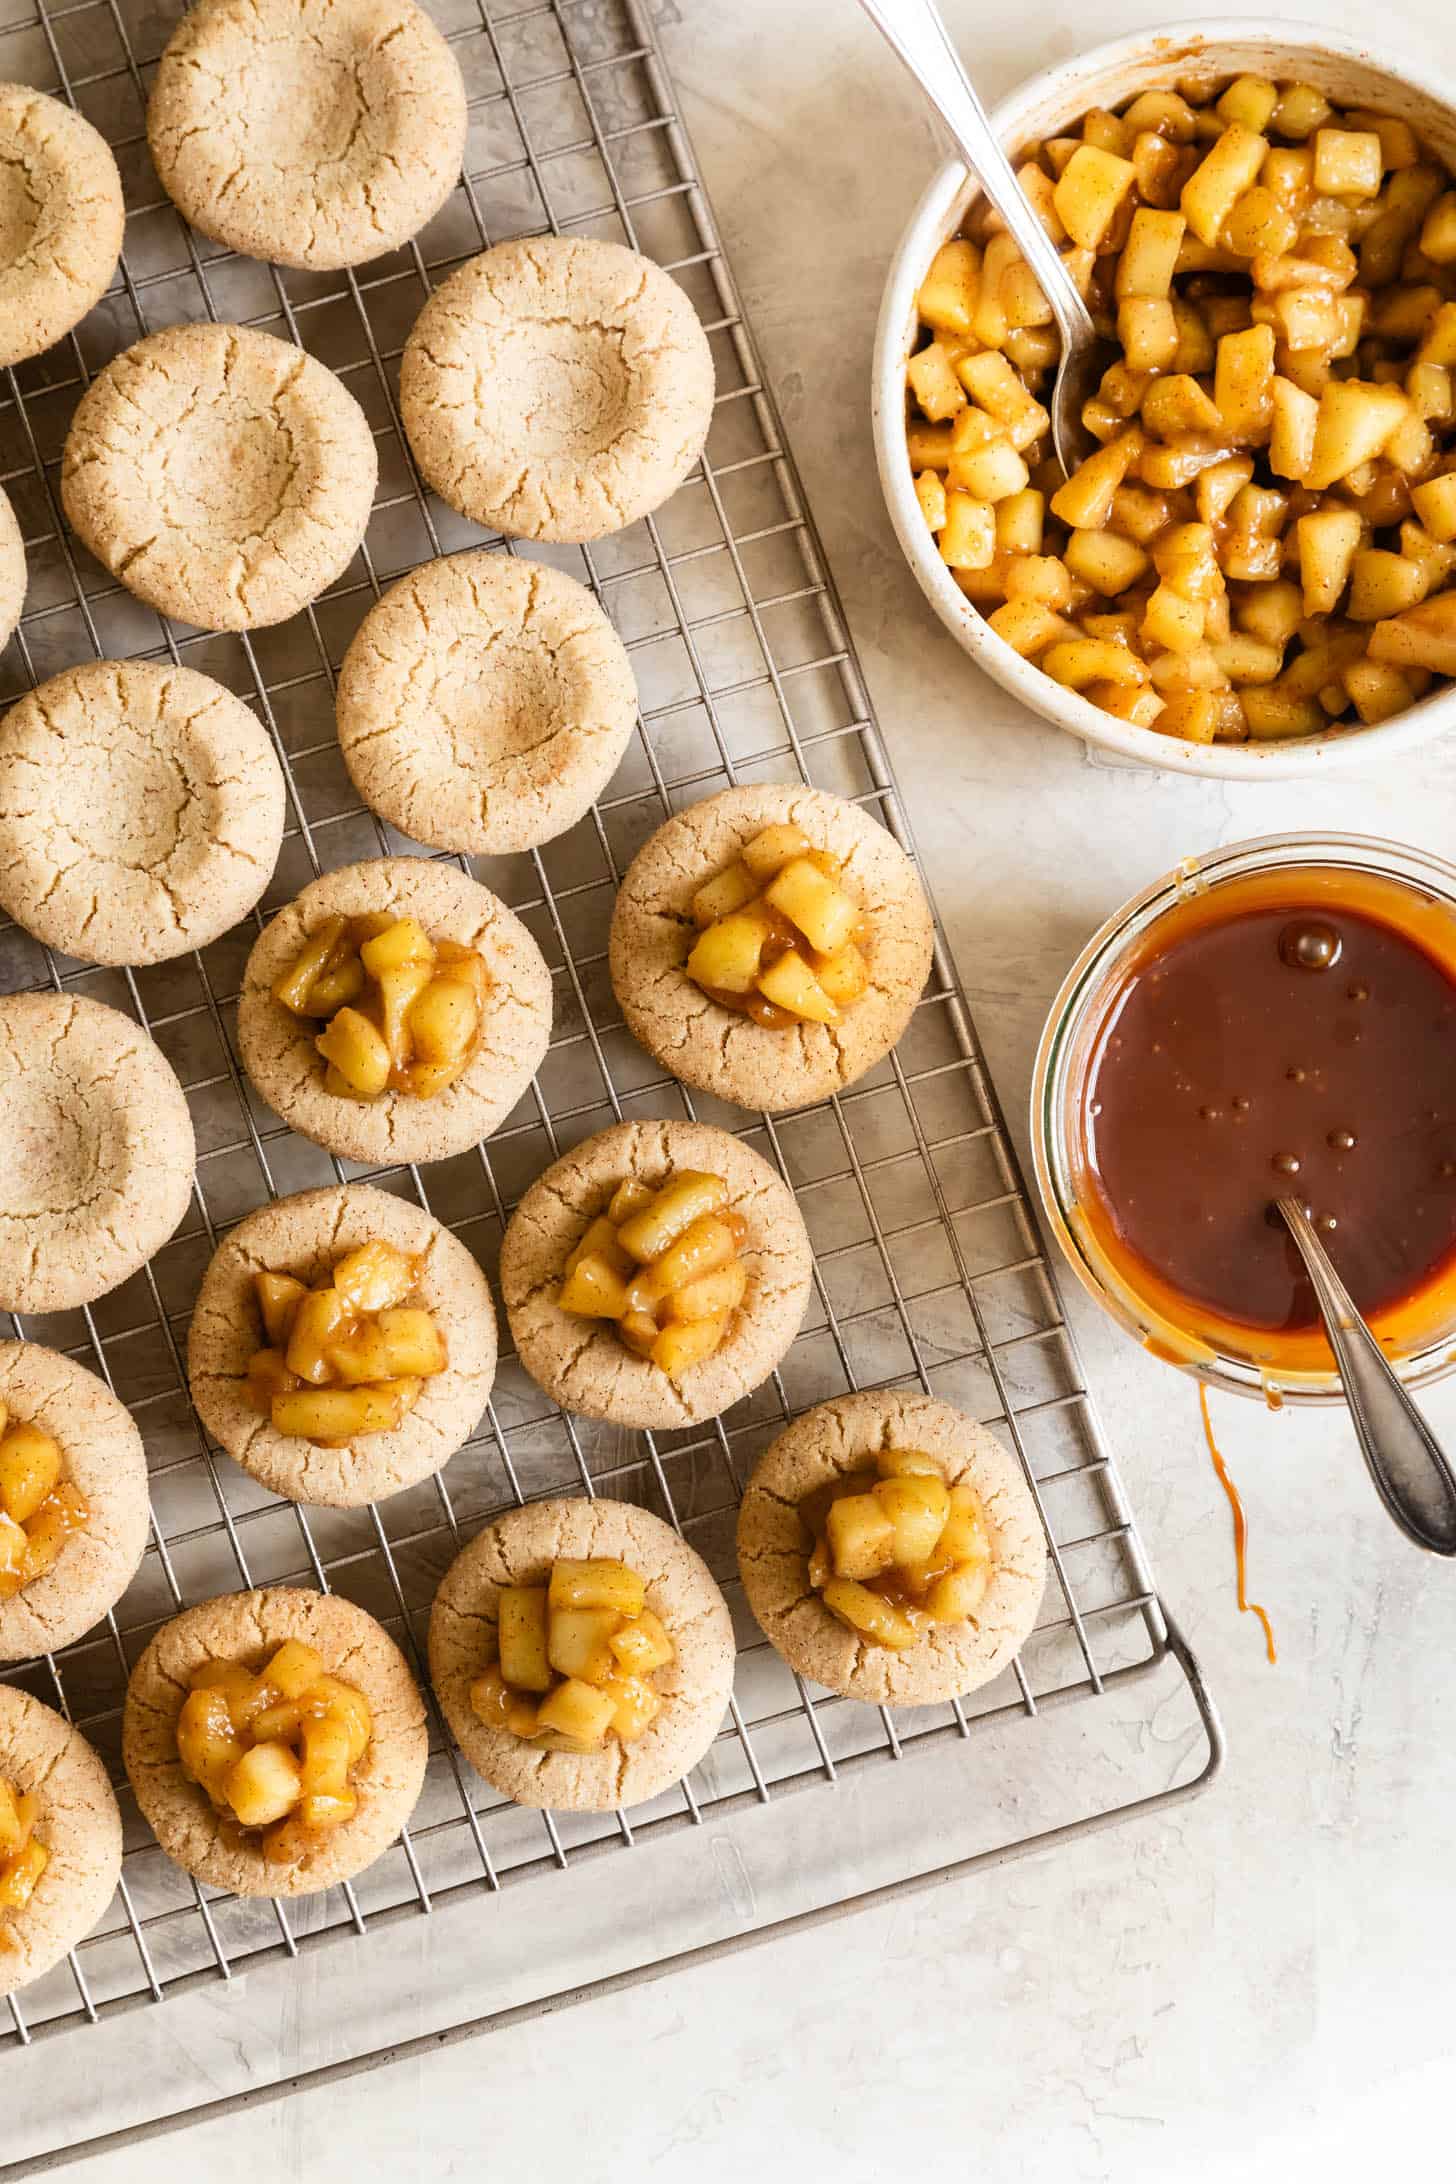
(1241,1526)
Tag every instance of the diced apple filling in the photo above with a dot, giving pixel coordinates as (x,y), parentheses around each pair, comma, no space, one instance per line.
(780,936)
(23,1858)
(897,1551)
(665,1265)
(574,1659)
(1280,276)
(276,1747)
(402,1011)
(350,1357)
(39,1507)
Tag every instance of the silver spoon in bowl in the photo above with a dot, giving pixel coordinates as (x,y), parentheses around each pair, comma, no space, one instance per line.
(915,30)
(1402,1455)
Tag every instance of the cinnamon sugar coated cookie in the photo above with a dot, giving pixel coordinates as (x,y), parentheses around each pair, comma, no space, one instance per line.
(518,1549)
(841,1438)
(223,476)
(305,1236)
(141,811)
(61,220)
(484,703)
(77,1824)
(12,571)
(248,1628)
(284,1063)
(105,1462)
(313,132)
(583,1364)
(97,1153)
(725,1052)
(557,388)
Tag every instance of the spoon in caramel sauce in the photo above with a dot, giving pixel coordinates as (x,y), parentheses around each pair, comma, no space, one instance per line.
(1411,1475)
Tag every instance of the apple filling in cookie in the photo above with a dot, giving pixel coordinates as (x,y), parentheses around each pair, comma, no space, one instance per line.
(781,934)
(277,1747)
(349,1357)
(575,1659)
(39,1507)
(23,1859)
(897,1552)
(403,1011)
(664,1264)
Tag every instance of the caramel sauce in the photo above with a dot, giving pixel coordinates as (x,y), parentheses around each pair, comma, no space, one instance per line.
(1291,1032)
(756,1005)
(1241,1528)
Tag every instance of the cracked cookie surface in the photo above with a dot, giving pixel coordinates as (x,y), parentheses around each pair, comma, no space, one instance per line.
(221,475)
(583,1364)
(79,1823)
(97,1154)
(250,1626)
(304,1236)
(105,1459)
(717,1049)
(278,1047)
(12,570)
(484,703)
(518,1549)
(557,388)
(61,220)
(316,133)
(141,811)
(841,1437)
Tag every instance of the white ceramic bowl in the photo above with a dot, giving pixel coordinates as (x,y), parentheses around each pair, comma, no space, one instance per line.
(1110,75)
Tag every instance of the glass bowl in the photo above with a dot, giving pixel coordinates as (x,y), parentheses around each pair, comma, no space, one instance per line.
(1419,1334)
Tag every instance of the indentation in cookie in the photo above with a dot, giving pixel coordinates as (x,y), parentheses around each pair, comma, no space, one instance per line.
(773,1065)
(313,132)
(52,1146)
(484,703)
(223,476)
(104,1463)
(279,1048)
(141,811)
(20,210)
(61,220)
(77,1821)
(97,1156)
(557,388)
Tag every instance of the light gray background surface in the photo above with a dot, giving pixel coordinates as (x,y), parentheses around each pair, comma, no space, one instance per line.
(1259,1984)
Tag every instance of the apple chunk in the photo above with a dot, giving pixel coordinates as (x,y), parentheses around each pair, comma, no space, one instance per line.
(790,984)
(861,1536)
(822,910)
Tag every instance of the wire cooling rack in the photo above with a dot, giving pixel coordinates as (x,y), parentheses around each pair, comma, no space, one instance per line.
(929,1270)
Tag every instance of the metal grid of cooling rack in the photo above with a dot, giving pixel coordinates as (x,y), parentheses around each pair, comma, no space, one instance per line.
(929,1270)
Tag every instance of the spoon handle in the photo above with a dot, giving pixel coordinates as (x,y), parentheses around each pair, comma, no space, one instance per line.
(1411,1475)
(915,30)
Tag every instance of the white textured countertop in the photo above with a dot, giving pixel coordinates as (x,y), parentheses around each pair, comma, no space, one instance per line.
(1260,1978)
